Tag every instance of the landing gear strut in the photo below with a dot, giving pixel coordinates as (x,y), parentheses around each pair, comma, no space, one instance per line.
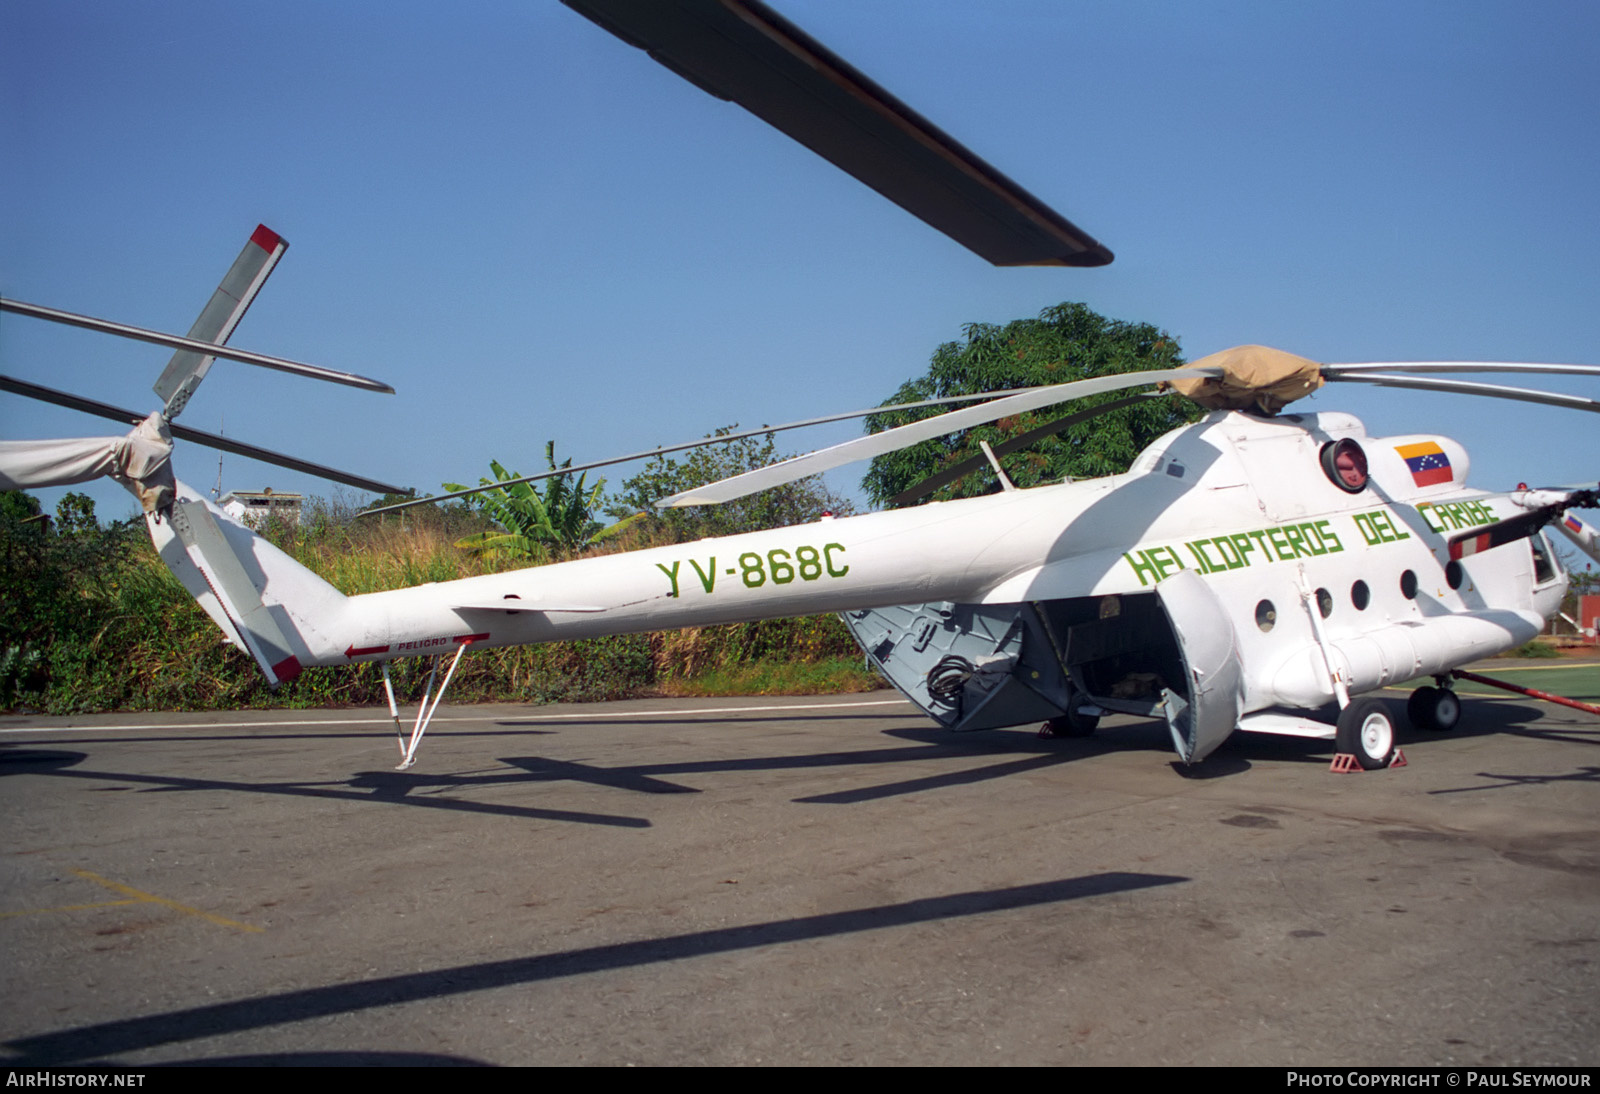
(425,712)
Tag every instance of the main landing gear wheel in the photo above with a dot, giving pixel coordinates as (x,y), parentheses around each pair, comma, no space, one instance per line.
(1367,732)
(1071,724)
(1436,709)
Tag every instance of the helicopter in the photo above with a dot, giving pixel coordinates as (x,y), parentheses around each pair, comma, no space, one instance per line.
(1246,573)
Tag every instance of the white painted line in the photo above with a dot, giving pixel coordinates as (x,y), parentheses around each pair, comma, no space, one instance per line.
(619,716)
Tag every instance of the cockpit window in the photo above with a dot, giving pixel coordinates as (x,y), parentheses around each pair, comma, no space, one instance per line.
(1545,565)
(1345,464)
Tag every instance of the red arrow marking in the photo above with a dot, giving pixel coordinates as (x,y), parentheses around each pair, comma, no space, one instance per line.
(362,651)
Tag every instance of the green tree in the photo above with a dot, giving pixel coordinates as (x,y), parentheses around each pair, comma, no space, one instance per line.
(75,515)
(562,516)
(55,590)
(18,505)
(794,503)
(392,499)
(1066,342)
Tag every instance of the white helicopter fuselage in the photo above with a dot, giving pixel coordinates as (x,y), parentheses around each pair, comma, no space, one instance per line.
(1297,587)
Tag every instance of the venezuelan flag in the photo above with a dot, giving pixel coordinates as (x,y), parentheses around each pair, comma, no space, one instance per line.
(1573,524)
(1427,461)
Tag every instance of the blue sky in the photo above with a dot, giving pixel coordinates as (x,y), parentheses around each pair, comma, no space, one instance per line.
(533,231)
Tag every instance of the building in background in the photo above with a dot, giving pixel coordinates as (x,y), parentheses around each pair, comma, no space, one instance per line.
(256,508)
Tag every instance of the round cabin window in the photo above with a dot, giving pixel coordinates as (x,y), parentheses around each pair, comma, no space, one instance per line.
(1266,615)
(1453,574)
(1324,602)
(1408,585)
(1360,596)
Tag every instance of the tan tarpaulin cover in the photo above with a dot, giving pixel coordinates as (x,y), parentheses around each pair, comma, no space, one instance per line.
(1258,377)
(140,461)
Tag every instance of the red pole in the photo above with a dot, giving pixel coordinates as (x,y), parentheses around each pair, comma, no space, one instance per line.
(1462,674)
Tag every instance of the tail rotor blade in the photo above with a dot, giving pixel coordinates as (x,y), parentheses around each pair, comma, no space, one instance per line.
(221,315)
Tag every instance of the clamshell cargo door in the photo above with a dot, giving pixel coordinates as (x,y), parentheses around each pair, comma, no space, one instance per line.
(1204,718)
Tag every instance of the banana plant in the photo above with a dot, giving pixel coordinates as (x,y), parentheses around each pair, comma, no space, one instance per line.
(532,524)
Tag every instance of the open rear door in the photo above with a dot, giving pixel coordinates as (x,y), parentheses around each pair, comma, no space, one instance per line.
(1210,713)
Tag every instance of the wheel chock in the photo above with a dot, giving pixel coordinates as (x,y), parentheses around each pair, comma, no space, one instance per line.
(1344,763)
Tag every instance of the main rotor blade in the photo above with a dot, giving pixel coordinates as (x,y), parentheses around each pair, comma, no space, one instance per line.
(702,442)
(1472,387)
(1522,526)
(744,51)
(139,334)
(198,436)
(1353,371)
(892,440)
(1021,440)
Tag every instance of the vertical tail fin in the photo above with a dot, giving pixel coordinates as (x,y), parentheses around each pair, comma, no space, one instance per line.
(266,603)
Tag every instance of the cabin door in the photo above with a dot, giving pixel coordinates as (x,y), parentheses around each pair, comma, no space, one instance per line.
(1203,719)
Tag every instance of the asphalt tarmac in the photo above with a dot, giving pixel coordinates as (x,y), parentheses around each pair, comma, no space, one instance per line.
(789,880)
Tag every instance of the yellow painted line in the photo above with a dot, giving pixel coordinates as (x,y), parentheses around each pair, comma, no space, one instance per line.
(1541,668)
(139,896)
(69,908)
